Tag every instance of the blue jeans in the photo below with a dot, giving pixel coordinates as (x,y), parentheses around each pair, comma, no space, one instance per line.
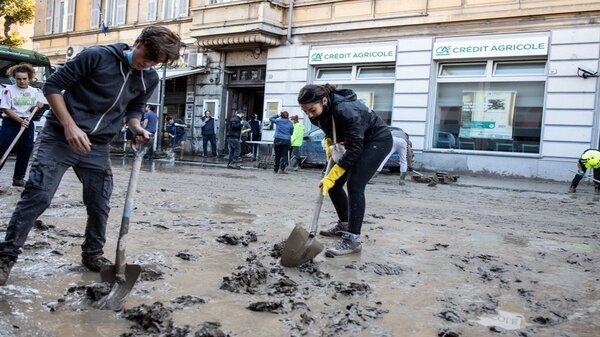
(53,158)
(24,145)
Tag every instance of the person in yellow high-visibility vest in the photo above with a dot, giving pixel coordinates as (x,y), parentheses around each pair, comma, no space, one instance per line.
(590,159)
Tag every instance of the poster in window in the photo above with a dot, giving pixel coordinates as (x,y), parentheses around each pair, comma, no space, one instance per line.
(367,98)
(487,114)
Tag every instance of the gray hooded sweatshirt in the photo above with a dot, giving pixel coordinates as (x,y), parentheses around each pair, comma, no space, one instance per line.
(100,88)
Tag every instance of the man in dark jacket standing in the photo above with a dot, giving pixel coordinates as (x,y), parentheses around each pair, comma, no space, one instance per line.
(209,134)
(234,133)
(89,98)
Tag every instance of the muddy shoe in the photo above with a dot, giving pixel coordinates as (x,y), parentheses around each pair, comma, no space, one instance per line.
(349,244)
(94,262)
(571,189)
(233,166)
(6,264)
(337,230)
(19,182)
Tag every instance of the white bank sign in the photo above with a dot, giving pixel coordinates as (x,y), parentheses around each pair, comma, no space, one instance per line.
(366,54)
(490,47)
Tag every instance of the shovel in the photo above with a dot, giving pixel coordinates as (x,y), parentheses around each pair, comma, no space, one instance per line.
(123,276)
(590,178)
(5,155)
(301,246)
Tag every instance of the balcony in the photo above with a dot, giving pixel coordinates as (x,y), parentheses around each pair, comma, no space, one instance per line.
(239,24)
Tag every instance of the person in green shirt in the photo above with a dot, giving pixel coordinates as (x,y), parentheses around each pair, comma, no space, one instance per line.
(297,139)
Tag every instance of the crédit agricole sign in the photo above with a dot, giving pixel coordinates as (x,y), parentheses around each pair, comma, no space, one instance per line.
(367,54)
(482,47)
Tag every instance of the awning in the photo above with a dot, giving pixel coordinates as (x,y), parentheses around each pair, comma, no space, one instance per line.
(173,73)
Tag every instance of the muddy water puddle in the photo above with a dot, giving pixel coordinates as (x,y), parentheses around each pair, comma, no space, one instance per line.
(436,261)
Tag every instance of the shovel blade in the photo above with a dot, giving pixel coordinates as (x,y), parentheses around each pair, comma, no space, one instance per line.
(300,248)
(120,289)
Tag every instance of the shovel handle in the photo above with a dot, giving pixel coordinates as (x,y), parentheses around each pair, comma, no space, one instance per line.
(319,202)
(590,178)
(124,230)
(5,155)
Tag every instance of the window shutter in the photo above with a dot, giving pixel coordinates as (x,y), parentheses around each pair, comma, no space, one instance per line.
(167,11)
(70,15)
(121,12)
(57,17)
(151,15)
(49,10)
(183,8)
(95,19)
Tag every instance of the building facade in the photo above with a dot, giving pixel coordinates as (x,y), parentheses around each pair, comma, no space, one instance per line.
(492,86)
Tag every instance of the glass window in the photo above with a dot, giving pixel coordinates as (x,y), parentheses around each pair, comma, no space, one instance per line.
(489,116)
(526,68)
(462,69)
(334,73)
(376,72)
(378,97)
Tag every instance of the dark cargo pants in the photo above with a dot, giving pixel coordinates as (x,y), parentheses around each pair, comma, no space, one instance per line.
(51,161)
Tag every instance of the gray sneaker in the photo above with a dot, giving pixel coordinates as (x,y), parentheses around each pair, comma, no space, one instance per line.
(6,264)
(94,262)
(337,230)
(349,244)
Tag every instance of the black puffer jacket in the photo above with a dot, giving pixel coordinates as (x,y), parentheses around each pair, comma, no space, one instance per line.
(356,125)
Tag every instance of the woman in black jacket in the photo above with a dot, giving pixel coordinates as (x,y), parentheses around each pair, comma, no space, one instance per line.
(367,140)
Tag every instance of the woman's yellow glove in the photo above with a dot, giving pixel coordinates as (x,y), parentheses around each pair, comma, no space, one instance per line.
(327,142)
(334,174)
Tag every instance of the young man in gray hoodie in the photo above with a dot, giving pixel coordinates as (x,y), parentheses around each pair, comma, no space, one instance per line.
(89,97)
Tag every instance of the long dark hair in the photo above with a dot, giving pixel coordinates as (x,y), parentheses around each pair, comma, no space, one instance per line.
(314,93)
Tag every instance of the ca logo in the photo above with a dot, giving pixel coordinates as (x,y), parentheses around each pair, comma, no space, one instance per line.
(443,50)
(316,57)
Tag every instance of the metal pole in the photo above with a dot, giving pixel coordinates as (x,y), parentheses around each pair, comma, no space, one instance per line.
(161,113)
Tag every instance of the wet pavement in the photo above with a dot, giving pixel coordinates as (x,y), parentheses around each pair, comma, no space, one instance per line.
(485,256)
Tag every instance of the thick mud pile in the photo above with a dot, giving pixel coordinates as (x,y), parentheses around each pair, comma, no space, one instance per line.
(450,260)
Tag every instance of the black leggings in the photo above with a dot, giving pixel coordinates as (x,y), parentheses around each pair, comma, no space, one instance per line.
(351,207)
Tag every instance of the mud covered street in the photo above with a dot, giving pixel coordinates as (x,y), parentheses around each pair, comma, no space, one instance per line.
(480,257)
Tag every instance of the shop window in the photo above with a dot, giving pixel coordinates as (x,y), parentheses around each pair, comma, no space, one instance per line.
(462,70)
(373,85)
(376,72)
(378,97)
(326,74)
(489,116)
(521,68)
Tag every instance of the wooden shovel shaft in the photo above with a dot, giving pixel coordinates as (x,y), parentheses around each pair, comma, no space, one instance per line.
(131,187)
(319,202)
(5,155)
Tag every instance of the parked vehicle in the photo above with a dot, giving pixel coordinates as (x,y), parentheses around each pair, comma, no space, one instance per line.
(312,152)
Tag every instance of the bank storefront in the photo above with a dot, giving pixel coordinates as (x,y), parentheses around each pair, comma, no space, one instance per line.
(490,94)
(368,69)
(509,104)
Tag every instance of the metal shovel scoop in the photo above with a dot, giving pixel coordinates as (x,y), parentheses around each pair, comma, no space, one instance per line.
(123,276)
(302,246)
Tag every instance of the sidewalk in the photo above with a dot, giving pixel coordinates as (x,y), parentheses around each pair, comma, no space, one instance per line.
(516,184)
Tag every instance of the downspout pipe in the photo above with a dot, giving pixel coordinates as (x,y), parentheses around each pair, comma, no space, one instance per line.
(290,17)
